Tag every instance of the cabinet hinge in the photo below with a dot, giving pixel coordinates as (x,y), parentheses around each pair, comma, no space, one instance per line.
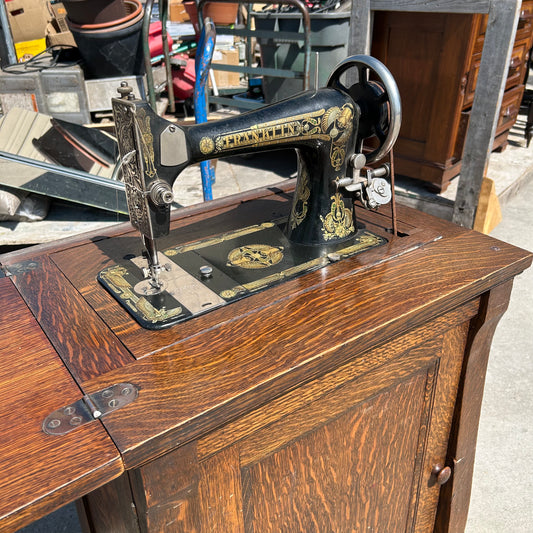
(89,408)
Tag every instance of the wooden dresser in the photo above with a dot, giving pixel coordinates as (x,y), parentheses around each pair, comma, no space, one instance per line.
(346,399)
(435,60)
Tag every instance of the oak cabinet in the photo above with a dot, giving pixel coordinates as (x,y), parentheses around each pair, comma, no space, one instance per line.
(345,399)
(435,60)
(358,449)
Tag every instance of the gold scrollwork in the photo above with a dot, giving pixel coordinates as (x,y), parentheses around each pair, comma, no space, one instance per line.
(116,281)
(255,256)
(147,140)
(273,132)
(301,198)
(338,123)
(204,243)
(362,242)
(334,125)
(338,223)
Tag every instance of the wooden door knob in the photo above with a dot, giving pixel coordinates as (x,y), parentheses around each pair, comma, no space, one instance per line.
(442,473)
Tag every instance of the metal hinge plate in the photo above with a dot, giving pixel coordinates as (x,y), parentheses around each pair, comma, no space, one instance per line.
(89,408)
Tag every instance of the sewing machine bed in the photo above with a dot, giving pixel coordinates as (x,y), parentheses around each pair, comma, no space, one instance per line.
(330,401)
(203,275)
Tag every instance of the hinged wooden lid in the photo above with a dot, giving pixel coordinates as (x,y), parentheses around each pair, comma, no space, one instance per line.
(41,472)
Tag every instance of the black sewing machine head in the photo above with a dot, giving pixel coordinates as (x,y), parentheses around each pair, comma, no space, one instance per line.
(327,127)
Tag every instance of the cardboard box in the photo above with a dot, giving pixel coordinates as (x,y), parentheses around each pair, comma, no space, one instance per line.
(224,78)
(61,38)
(27,49)
(176,11)
(28,19)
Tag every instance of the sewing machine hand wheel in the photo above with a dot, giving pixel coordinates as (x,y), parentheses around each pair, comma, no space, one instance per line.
(379,101)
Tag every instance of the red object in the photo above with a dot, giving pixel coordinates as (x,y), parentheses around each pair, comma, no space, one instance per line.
(155,39)
(183,80)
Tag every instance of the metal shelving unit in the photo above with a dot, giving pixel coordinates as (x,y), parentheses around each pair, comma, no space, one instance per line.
(247,33)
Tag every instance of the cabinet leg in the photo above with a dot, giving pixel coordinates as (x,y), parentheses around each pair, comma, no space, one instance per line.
(455,495)
(109,508)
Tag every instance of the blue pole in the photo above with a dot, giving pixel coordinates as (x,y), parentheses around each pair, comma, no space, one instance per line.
(204,54)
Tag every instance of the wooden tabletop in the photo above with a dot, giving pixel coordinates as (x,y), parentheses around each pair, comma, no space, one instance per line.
(196,376)
(40,472)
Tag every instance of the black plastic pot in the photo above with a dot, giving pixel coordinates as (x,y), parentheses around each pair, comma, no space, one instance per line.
(94,11)
(112,52)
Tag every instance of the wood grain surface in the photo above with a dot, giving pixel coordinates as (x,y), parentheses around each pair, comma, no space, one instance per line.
(40,472)
(232,402)
(77,333)
(354,449)
(455,495)
(83,264)
(227,371)
(347,492)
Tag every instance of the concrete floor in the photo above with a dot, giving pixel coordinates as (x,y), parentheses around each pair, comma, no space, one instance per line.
(502,494)
(503,485)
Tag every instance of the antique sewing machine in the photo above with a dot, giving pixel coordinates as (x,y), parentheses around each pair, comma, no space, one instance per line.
(345,398)
(327,127)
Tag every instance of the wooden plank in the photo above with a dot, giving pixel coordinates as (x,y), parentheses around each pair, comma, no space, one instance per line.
(432,6)
(360,28)
(39,472)
(80,337)
(488,214)
(497,49)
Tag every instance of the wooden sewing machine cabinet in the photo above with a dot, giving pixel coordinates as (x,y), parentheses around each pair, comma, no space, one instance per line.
(346,399)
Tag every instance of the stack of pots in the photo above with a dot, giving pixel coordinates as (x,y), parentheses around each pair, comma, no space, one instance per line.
(108,34)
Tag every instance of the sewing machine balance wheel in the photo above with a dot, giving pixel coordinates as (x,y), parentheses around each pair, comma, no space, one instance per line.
(379,100)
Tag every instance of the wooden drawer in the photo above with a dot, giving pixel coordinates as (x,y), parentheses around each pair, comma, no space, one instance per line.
(524,28)
(525,22)
(509,109)
(508,113)
(515,75)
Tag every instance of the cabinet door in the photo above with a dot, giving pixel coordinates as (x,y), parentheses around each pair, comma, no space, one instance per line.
(352,450)
(358,458)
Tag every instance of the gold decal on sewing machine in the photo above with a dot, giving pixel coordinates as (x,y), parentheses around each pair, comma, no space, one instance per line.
(207,145)
(147,140)
(272,132)
(362,242)
(334,125)
(301,198)
(338,122)
(115,278)
(338,223)
(254,256)
(217,240)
